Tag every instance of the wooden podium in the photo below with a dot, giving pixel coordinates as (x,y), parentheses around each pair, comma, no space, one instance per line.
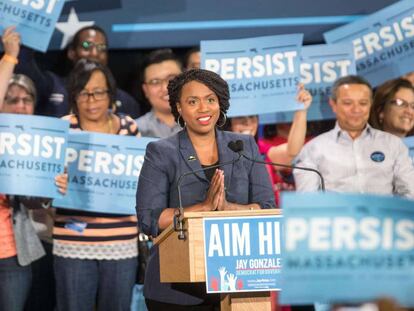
(189,266)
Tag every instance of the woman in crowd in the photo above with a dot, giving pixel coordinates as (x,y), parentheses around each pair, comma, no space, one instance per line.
(19,244)
(283,153)
(199,101)
(95,253)
(393,107)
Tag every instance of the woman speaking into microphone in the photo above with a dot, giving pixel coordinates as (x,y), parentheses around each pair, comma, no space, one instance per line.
(199,101)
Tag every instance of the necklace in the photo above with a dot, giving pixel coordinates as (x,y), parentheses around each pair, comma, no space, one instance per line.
(109,125)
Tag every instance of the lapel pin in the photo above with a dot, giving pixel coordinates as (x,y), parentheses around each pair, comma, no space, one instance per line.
(191,158)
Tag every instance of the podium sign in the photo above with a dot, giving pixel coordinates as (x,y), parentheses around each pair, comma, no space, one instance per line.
(242,253)
(347,248)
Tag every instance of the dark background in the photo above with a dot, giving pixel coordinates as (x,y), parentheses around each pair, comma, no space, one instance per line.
(128,48)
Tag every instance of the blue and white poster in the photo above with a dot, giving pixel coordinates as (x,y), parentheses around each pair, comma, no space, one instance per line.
(321,65)
(409,142)
(34,20)
(262,72)
(347,248)
(32,154)
(242,253)
(383,42)
(103,172)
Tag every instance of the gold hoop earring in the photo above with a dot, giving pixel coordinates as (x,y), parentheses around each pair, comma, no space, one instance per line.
(224,120)
(179,120)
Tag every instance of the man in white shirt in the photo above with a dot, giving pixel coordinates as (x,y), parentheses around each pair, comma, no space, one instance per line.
(354,157)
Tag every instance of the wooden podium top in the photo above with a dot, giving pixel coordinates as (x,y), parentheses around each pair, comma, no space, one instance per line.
(236,213)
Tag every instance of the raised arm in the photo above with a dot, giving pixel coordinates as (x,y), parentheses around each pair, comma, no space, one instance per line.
(11,44)
(285,153)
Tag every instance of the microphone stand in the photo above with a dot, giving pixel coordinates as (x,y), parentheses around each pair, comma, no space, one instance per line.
(237,147)
(179,218)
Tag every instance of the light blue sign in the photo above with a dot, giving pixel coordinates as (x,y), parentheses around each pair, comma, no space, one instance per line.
(262,72)
(383,42)
(347,248)
(242,253)
(409,142)
(34,19)
(103,172)
(32,154)
(321,65)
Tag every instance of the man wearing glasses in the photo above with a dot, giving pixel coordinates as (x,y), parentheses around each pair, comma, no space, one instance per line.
(354,157)
(159,67)
(89,42)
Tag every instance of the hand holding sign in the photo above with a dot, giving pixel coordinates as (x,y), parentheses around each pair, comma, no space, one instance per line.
(11,41)
(304,96)
(35,20)
(61,181)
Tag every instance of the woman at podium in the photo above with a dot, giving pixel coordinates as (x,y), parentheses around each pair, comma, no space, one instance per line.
(199,100)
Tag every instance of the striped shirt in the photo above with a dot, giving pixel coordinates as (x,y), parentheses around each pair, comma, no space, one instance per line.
(87,235)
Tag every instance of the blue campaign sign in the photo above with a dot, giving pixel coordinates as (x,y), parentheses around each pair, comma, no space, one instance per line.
(103,172)
(34,20)
(343,248)
(242,253)
(383,42)
(409,142)
(320,66)
(32,154)
(262,72)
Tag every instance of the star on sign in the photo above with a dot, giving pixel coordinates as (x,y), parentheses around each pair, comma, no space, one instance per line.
(71,26)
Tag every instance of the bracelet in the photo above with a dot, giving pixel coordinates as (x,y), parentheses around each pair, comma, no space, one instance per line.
(10,59)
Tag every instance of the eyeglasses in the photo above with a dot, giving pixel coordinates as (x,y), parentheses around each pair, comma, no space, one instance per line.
(88,46)
(402,103)
(27,101)
(97,95)
(159,82)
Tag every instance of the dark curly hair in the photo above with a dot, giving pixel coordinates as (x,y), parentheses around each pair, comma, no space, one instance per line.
(210,79)
(80,76)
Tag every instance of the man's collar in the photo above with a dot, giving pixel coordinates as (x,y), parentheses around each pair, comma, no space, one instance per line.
(339,132)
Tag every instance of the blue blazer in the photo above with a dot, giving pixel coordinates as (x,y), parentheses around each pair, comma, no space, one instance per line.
(165,161)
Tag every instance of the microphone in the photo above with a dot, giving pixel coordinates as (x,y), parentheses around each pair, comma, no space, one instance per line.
(179,218)
(237,146)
